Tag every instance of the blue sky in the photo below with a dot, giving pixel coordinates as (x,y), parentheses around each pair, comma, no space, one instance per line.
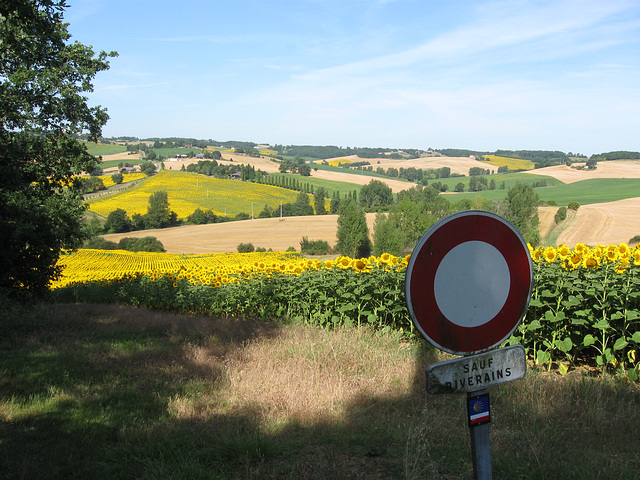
(483,75)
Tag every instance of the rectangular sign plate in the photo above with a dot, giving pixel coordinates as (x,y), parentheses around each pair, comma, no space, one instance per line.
(477,372)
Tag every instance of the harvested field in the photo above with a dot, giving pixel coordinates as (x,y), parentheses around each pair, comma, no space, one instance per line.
(459,165)
(121,156)
(270,233)
(611,169)
(603,223)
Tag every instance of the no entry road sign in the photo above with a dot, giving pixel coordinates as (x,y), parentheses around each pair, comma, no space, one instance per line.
(468,282)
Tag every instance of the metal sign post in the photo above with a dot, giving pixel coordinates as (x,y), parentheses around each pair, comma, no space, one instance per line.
(479,418)
(468,285)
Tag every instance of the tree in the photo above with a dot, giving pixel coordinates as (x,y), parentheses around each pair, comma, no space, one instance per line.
(386,237)
(117,221)
(304,170)
(148,168)
(158,213)
(376,194)
(302,206)
(353,232)
(591,164)
(117,178)
(522,212)
(43,78)
(318,201)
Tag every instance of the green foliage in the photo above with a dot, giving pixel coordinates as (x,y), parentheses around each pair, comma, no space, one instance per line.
(353,232)
(561,214)
(375,194)
(201,217)
(573,206)
(302,205)
(618,155)
(522,212)
(43,80)
(100,243)
(318,201)
(386,236)
(117,178)
(583,316)
(89,184)
(148,168)
(117,222)
(246,248)
(314,247)
(542,158)
(158,213)
(143,244)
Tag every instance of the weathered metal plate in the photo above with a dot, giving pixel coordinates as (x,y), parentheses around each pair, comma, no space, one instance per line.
(477,372)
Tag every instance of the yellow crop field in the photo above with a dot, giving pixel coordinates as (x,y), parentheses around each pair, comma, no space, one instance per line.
(268,152)
(188,191)
(126,177)
(215,269)
(512,163)
(336,162)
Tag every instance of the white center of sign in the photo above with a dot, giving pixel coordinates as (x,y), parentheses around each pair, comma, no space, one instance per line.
(472,284)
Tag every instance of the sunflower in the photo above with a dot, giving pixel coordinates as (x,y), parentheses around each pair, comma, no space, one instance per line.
(581,248)
(563,251)
(622,266)
(591,261)
(574,261)
(550,254)
(611,253)
(360,265)
(624,251)
(536,256)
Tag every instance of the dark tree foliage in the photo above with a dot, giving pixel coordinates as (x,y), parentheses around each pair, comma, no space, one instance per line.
(618,155)
(353,232)
(43,78)
(522,212)
(375,194)
(541,158)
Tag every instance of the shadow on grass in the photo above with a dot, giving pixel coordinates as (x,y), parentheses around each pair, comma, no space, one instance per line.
(87,391)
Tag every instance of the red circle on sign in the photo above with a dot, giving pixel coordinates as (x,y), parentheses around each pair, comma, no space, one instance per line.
(425,260)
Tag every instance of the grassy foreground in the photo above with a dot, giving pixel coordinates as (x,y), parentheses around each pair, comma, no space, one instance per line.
(104,391)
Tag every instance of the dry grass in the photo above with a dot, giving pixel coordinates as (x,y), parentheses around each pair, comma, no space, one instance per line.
(303,376)
(141,394)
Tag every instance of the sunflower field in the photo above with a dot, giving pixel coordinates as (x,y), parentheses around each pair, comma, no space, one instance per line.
(584,308)
(188,191)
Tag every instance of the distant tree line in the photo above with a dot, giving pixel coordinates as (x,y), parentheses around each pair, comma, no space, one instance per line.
(618,155)
(332,151)
(212,168)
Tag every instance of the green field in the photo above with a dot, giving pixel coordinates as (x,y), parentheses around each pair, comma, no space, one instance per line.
(98,149)
(330,186)
(584,192)
(115,163)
